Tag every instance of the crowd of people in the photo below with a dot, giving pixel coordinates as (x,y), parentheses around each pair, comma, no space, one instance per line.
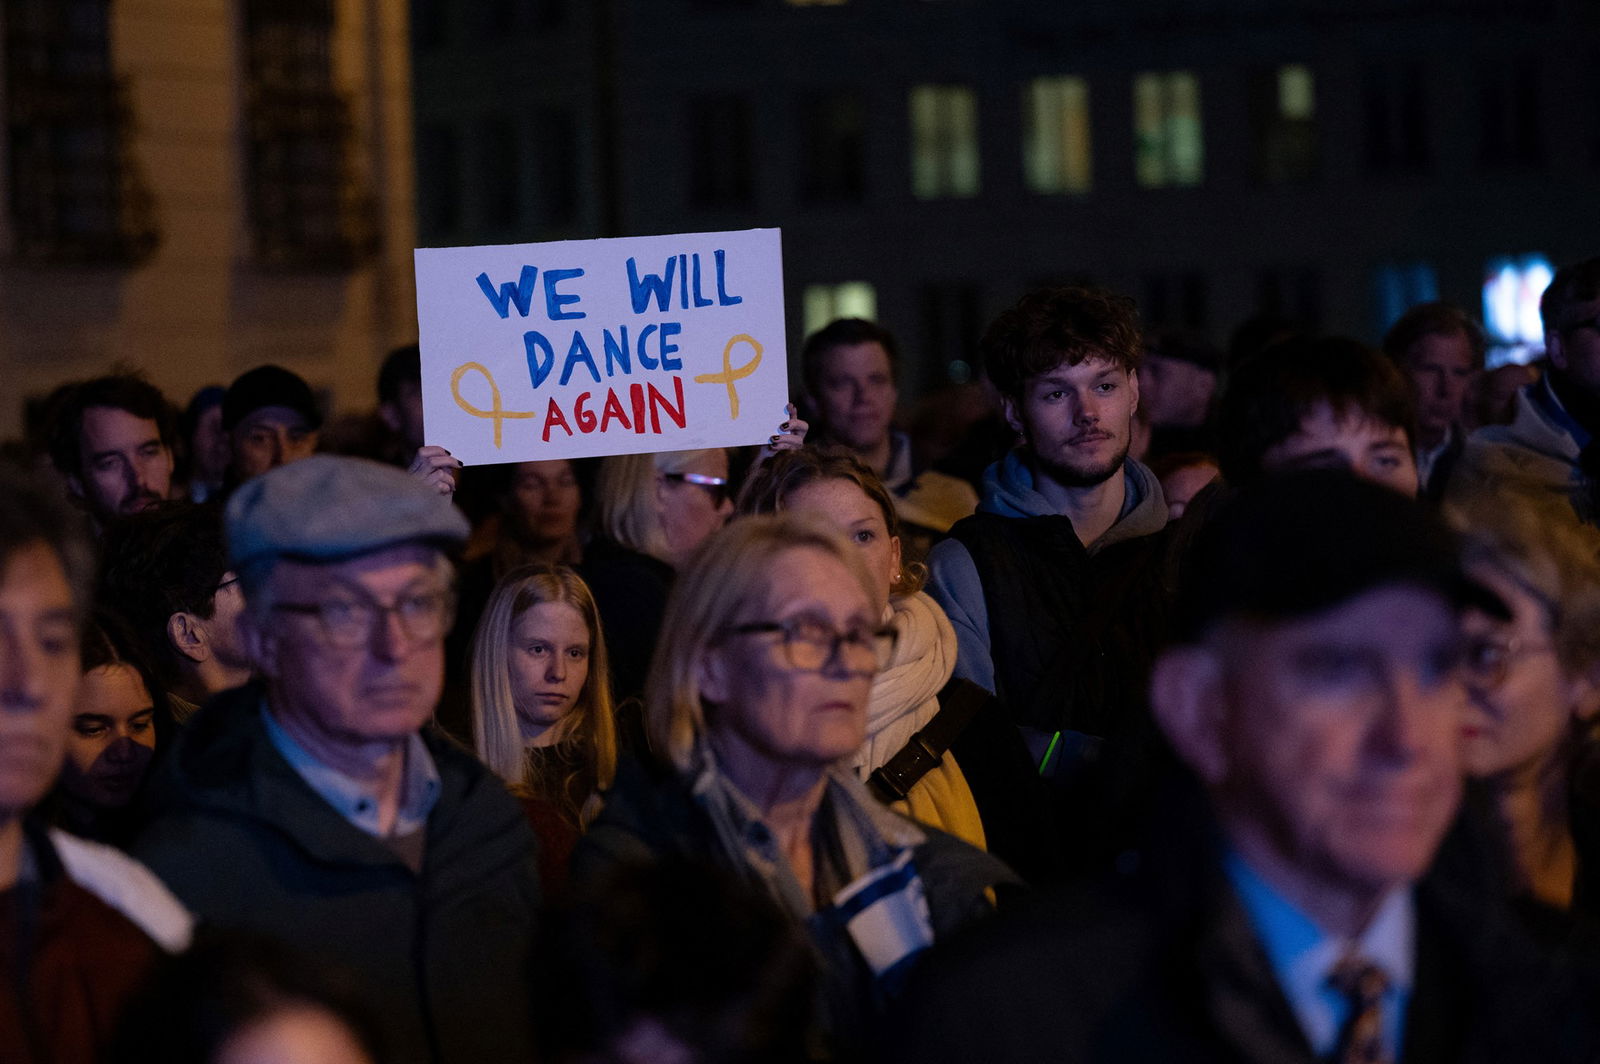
(1146,701)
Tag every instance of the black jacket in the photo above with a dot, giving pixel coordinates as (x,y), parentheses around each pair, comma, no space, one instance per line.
(245,842)
(650,814)
(1163,964)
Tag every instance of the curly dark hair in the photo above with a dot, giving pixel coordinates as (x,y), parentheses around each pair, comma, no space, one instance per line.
(1052,326)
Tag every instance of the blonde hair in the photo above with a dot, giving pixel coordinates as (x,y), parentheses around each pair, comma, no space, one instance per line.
(625,497)
(718,589)
(1539,544)
(768,489)
(588,732)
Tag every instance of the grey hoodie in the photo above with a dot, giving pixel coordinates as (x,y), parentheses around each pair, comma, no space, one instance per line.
(1008,490)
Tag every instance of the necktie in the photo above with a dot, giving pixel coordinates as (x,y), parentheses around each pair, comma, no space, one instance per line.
(1363,984)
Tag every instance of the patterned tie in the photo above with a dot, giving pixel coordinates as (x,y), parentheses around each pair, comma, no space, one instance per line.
(1363,984)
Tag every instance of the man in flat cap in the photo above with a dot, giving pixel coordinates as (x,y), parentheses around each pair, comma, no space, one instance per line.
(1287,908)
(318,805)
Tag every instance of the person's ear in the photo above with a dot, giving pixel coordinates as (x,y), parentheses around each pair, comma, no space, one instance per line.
(1187,699)
(712,675)
(895,559)
(390,415)
(1133,384)
(1583,694)
(1012,410)
(188,636)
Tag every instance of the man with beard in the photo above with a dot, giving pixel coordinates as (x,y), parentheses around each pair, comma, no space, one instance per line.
(111,441)
(1053,586)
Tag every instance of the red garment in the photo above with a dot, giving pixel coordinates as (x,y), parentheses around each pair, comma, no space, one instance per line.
(85,960)
(557,837)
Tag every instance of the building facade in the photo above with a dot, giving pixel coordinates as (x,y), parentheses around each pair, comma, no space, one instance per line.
(929,160)
(195,187)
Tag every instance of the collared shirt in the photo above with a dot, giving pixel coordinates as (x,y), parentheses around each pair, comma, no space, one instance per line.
(1303,956)
(355,800)
(1427,459)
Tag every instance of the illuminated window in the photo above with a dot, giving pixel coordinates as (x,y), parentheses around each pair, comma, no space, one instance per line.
(1055,135)
(944,141)
(1168,143)
(829,302)
(1283,105)
(1512,286)
(1399,286)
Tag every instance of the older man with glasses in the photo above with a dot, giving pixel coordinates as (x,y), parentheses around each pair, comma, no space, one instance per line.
(318,806)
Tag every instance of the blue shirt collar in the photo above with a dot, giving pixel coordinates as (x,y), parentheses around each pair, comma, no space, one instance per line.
(353,799)
(1303,955)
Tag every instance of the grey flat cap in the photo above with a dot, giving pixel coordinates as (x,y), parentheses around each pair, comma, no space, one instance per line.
(329,507)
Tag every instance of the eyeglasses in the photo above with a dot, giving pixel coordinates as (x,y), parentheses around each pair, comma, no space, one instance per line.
(716,486)
(809,645)
(349,623)
(1486,661)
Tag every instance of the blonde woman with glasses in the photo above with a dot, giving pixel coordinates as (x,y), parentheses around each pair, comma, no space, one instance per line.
(756,702)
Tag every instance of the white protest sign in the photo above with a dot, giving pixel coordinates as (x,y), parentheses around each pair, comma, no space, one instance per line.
(591,347)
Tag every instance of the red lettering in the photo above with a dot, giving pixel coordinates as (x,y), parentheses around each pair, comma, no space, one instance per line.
(658,402)
(613,410)
(585,416)
(636,394)
(552,417)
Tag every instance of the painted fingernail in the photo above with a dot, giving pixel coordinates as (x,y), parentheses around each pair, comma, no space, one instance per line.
(774,439)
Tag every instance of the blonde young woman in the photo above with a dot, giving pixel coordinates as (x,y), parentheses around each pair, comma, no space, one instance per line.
(757,700)
(542,717)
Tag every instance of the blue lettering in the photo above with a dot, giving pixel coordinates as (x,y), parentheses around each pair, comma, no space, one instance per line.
(683,282)
(723,298)
(640,290)
(644,356)
(617,350)
(554,301)
(578,352)
(699,300)
(670,328)
(541,356)
(520,293)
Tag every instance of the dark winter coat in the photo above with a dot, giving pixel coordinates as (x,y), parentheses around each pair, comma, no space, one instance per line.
(246,843)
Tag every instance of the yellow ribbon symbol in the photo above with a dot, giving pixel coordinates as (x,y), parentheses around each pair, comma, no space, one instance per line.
(496,413)
(729,374)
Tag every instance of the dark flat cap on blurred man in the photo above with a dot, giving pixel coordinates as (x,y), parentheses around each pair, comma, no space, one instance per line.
(1285,907)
